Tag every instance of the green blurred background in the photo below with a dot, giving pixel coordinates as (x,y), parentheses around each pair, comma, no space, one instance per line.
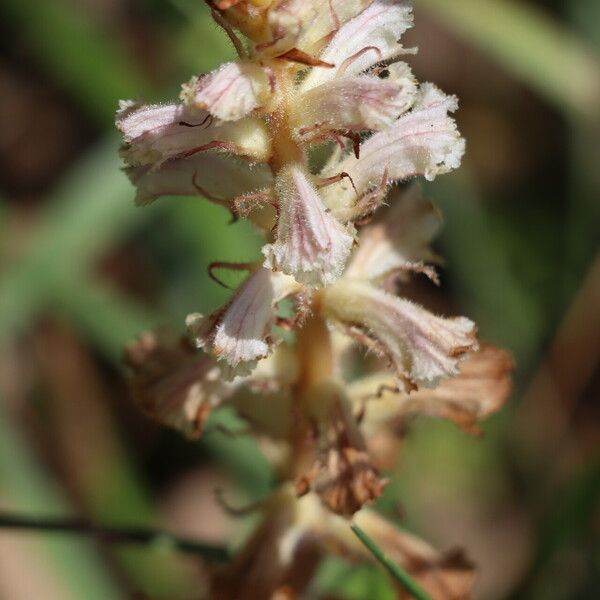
(82,272)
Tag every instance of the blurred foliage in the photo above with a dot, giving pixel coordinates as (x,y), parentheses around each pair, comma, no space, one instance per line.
(517,253)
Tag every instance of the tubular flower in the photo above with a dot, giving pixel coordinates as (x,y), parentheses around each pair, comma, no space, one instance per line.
(332,273)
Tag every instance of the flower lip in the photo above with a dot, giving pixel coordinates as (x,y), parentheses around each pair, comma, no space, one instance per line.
(154,134)
(310,243)
(239,334)
(420,347)
(229,93)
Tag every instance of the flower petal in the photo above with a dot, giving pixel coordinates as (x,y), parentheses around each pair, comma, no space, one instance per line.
(360,103)
(399,238)
(172,383)
(240,332)
(214,176)
(343,475)
(479,390)
(311,244)
(424,141)
(421,347)
(305,24)
(155,133)
(229,93)
(369,38)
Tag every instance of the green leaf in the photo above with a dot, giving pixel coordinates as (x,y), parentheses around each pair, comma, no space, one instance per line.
(399,574)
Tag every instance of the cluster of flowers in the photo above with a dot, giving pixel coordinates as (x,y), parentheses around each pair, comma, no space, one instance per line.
(315,74)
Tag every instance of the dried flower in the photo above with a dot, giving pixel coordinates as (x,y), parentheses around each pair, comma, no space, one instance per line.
(173,384)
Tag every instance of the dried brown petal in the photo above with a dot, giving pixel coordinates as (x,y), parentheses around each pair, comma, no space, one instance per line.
(343,475)
(172,383)
(479,390)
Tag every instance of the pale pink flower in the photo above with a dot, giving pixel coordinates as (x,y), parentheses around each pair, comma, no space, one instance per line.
(310,243)
(239,334)
(420,347)
(231,92)
(154,134)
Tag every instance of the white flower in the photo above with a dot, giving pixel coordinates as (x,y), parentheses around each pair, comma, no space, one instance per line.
(217,177)
(231,92)
(370,38)
(424,141)
(310,243)
(154,134)
(421,347)
(240,333)
(399,238)
(358,103)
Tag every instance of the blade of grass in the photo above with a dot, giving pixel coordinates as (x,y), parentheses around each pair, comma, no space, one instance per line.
(399,574)
(544,54)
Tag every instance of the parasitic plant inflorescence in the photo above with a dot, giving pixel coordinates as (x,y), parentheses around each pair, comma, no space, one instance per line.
(341,241)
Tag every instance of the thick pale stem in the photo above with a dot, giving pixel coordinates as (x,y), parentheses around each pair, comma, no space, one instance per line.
(315,353)
(285,148)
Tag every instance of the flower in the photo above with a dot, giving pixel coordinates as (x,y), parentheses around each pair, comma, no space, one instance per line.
(240,332)
(251,137)
(154,134)
(420,347)
(310,243)
(172,384)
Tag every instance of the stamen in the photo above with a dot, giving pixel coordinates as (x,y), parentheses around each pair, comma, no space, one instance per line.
(228,146)
(206,194)
(344,66)
(206,123)
(299,56)
(235,40)
(330,180)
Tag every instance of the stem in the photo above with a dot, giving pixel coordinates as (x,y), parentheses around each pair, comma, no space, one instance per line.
(315,353)
(285,148)
(114,535)
(395,570)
